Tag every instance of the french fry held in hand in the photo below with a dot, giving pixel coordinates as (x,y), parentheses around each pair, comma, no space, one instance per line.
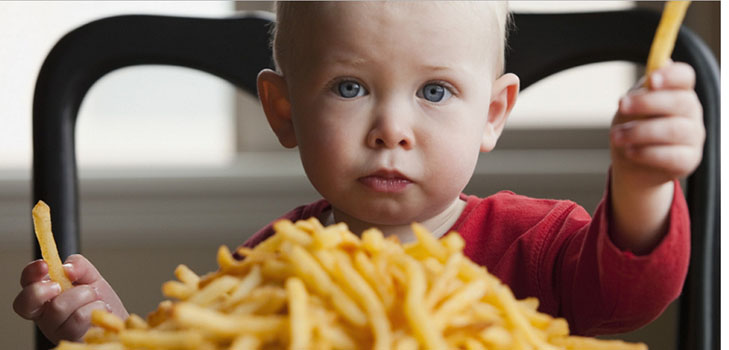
(665,37)
(314,287)
(42,224)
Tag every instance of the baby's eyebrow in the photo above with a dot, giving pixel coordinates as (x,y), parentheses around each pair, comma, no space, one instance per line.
(348,61)
(461,71)
(437,68)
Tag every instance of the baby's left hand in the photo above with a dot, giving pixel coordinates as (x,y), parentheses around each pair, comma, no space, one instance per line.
(658,133)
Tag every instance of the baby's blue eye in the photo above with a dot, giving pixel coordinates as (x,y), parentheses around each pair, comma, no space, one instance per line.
(434,92)
(350,89)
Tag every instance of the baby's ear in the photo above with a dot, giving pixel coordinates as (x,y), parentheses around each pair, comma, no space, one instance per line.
(274,97)
(503,97)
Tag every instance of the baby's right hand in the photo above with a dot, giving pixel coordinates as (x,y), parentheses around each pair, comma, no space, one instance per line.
(67,315)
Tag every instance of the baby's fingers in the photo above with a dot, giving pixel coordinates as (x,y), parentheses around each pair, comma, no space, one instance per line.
(673,160)
(63,306)
(658,131)
(29,302)
(35,271)
(677,75)
(80,270)
(661,102)
(79,321)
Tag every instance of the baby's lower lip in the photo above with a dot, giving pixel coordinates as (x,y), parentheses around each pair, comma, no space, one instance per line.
(385,184)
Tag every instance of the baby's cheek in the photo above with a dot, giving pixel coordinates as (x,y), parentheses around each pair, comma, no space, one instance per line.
(452,168)
(324,166)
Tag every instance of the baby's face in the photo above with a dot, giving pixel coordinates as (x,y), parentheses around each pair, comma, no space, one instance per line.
(389,105)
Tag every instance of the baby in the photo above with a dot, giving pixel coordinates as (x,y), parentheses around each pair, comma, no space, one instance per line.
(390,104)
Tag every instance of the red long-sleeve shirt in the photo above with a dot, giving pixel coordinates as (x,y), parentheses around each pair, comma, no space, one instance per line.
(554,250)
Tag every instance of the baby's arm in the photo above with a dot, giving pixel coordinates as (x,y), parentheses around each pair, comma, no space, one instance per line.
(657,136)
(65,316)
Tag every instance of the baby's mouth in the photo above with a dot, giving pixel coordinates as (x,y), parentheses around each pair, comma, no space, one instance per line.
(386,181)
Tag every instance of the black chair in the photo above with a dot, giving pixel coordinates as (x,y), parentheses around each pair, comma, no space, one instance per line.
(235,49)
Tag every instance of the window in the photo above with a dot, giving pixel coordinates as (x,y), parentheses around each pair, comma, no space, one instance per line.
(195,108)
(158,116)
(582,97)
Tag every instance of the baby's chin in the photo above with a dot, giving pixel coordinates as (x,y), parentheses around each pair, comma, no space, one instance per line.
(384,219)
(388,216)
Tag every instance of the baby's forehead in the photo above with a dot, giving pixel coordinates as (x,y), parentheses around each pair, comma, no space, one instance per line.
(476,13)
(460,10)
(478,23)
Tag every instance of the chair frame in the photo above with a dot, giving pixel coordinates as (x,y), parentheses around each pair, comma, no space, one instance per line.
(237,48)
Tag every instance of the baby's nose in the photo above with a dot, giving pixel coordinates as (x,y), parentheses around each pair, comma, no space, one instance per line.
(392,123)
(405,143)
(390,135)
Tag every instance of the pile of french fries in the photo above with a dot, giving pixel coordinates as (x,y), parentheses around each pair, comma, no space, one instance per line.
(315,287)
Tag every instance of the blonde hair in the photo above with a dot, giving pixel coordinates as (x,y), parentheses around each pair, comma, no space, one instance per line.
(289,14)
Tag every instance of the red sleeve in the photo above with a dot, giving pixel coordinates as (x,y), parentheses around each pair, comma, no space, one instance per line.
(554,250)
(599,288)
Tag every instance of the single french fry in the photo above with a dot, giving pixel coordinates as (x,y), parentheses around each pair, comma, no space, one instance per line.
(404,341)
(106,320)
(325,325)
(349,241)
(557,328)
(473,344)
(270,245)
(432,266)
(135,322)
(276,270)
(325,259)
(299,322)
(336,335)
(307,226)
(379,322)
(226,326)
(161,314)
(373,241)
(665,37)
(67,345)
(466,296)
(454,242)
(293,233)
(511,308)
(497,337)
(214,290)
(529,308)
(177,290)
(367,268)
(209,277)
(429,243)
(439,287)
(262,300)
(187,276)
(98,335)
(423,326)
(182,340)
(244,288)
(245,342)
(49,251)
(227,262)
(488,313)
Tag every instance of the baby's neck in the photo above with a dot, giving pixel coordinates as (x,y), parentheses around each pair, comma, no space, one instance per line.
(438,224)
